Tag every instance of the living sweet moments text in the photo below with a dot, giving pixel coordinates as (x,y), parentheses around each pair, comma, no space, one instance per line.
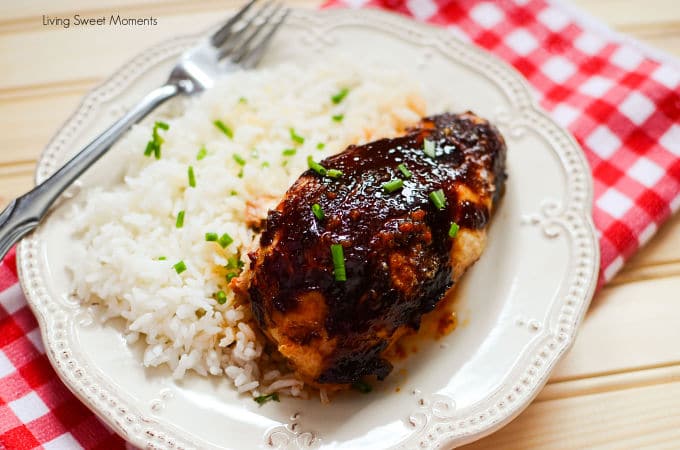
(78,20)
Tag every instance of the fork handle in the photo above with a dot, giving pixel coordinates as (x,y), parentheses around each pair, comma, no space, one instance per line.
(25,213)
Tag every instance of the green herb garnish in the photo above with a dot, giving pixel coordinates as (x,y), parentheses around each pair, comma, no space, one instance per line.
(334,173)
(180,267)
(192,177)
(162,258)
(262,399)
(320,146)
(438,199)
(154,145)
(150,146)
(362,387)
(338,117)
(221,297)
(243,100)
(296,137)
(225,240)
(393,185)
(234,262)
(404,171)
(239,159)
(234,266)
(211,237)
(338,262)
(337,98)
(428,148)
(453,230)
(315,166)
(318,212)
(179,223)
(224,128)
(202,153)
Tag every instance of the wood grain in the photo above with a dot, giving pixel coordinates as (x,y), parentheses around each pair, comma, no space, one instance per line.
(618,386)
(643,417)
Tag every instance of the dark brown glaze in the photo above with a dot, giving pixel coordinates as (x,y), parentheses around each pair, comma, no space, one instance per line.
(396,245)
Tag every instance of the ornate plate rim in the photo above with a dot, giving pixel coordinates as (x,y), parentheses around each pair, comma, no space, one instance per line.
(574,218)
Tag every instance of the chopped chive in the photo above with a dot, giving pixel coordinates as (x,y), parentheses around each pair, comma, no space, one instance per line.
(338,262)
(296,137)
(362,387)
(393,185)
(162,258)
(243,100)
(234,263)
(428,148)
(179,223)
(154,145)
(149,148)
(318,212)
(233,192)
(438,198)
(158,140)
(234,266)
(265,164)
(404,170)
(338,117)
(221,297)
(202,153)
(315,166)
(180,267)
(320,146)
(240,173)
(453,230)
(224,128)
(239,159)
(225,240)
(289,152)
(334,173)
(230,276)
(337,98)
(211,237)
(192,177)
(262,399)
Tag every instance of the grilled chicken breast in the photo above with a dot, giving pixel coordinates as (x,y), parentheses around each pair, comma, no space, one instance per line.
(399,254)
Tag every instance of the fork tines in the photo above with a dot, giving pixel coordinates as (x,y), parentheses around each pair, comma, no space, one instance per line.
(243,38)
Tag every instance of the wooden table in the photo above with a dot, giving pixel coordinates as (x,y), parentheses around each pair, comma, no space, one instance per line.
(619,387)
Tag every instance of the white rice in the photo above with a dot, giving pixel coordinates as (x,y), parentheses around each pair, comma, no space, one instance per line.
(122,231)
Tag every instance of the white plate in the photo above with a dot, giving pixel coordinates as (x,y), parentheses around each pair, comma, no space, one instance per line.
(521,304)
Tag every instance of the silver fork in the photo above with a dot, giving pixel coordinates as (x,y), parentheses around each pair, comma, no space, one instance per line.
(230,47)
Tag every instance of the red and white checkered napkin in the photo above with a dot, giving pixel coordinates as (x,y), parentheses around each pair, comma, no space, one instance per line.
(36,409)
(620,101)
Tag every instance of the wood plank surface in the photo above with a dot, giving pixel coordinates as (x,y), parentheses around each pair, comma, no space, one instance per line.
(619,385)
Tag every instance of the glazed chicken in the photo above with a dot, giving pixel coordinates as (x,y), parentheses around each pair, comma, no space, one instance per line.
(404,244)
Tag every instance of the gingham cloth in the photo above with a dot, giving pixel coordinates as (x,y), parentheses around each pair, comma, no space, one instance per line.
(620,100)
